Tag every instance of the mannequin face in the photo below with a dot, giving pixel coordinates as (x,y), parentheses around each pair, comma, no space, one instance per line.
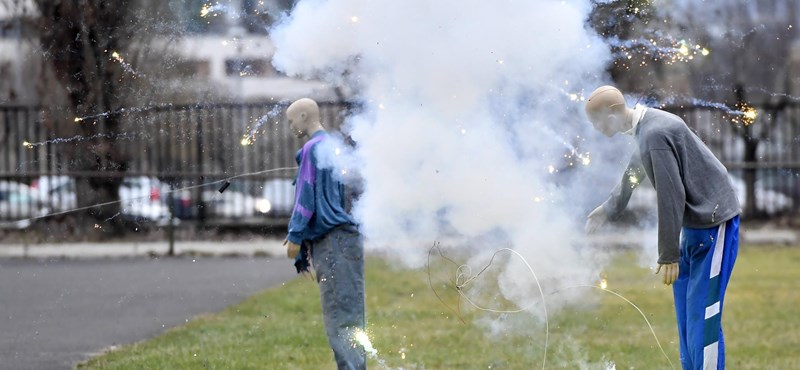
(607,121)
(297,120)
(303,117)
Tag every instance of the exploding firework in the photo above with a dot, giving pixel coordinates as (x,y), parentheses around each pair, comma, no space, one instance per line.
(668,51)
(746,114)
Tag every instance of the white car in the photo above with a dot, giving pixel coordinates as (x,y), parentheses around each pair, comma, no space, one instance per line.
(18,204)
(279,193)
(234,202)
(143,199)
(768,201)
(58,192)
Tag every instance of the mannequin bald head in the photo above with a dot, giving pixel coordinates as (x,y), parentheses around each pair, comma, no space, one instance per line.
(303,117)
(607,111)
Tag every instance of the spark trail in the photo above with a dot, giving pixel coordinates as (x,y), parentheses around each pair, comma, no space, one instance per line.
(250,137)
(78,138)
(125,65)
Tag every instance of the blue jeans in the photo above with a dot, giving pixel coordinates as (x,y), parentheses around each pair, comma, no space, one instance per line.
(338,259)
(707,259)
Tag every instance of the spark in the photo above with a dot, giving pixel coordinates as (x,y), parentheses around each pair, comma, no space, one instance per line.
(207,9)
(247,141)
(78,119)
(603,284)
(27,144)
(633,179)
(338,151)
(354,19)
(551,168)
(585,160)
(381,106)
(362,338)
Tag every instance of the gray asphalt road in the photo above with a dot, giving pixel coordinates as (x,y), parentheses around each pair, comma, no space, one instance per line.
(57,312)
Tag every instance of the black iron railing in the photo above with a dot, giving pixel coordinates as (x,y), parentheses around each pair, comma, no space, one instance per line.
(174,159)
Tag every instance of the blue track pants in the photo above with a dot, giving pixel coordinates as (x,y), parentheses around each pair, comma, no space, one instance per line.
(707,258)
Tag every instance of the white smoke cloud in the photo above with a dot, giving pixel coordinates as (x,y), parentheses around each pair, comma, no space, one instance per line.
(467,118)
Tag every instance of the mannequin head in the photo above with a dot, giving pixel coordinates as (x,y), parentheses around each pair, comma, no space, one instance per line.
(303,117)
(607,111)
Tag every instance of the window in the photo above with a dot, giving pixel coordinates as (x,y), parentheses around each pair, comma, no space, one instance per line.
(248,68)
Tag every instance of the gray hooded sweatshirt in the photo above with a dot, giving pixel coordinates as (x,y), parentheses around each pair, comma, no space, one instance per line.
(692,187)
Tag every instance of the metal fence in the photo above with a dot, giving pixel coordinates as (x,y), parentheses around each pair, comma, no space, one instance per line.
(171,153)
(761,150)
(175,160)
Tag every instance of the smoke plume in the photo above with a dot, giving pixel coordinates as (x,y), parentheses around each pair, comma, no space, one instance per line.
(472,130)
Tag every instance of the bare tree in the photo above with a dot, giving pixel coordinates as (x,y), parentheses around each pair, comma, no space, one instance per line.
(84,46)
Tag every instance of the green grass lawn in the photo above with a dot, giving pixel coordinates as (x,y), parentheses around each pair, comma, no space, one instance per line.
(412,329)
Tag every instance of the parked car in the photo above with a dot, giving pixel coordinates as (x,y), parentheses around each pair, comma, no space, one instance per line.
(19,203)
(233,202)
(279,193)
(57,192)
(142,199)
(769,201)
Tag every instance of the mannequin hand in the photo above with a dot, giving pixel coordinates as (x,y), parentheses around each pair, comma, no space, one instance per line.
(292,249)
(670,273)
(597,218)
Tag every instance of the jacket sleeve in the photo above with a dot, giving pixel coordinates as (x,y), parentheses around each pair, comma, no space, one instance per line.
(621,194)
(305,197)
(671,198)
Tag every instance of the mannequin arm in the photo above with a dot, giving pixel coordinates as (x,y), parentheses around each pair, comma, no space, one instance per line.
(633,176)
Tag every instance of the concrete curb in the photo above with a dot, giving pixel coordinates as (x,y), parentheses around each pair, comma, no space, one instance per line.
(274,247)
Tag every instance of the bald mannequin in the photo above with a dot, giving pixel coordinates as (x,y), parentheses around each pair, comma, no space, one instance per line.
(323,235)
(303,117)
(698,216)
(609,114)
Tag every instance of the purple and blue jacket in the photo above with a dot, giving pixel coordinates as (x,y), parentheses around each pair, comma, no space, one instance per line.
(319,205)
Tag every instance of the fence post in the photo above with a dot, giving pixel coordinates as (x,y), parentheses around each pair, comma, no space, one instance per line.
(171,226)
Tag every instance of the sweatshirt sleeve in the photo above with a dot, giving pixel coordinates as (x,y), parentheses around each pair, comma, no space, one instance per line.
(671,198)
(621,194)
(305,197)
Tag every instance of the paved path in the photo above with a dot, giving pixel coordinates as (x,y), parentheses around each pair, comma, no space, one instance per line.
(54,313)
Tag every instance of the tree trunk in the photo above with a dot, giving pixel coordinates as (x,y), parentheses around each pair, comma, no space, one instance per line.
(78,39)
